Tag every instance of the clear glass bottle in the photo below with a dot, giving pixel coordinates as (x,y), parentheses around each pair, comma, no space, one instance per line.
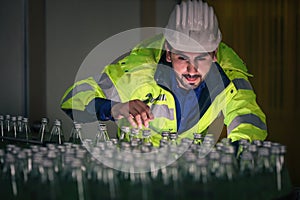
(76,136)
(202,171)
(44,130)
(56,134)
(227,169)
(165,135)
(198,138)
(19,124)
(134,134)
(146,136)
(276,164)
(214,162)
(246,164)
(26,128)
(2,126)
(7,125)
(173,138)
(9,170)
(14,126)
(102,135)
(125,133)
(263,160)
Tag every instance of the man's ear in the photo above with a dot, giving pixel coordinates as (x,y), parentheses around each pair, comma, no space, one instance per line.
(168,53)
(215,59)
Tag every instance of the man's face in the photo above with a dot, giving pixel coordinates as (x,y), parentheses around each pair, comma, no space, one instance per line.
(191,68)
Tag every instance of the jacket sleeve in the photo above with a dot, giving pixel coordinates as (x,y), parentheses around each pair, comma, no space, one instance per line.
(242,116)
(86,101)
(94,97)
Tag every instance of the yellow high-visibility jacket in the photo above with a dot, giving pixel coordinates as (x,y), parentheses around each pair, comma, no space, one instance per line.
(137,77)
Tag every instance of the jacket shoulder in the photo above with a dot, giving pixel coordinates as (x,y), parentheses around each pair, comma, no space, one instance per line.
(230,61)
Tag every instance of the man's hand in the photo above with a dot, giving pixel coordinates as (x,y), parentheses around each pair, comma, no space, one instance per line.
(135,111)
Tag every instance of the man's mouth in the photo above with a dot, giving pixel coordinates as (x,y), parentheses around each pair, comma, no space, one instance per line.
(191,78)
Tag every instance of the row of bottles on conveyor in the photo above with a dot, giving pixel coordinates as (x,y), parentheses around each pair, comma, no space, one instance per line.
(18,128)
(85,168)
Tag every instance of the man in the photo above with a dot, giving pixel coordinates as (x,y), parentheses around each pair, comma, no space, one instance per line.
(180,81)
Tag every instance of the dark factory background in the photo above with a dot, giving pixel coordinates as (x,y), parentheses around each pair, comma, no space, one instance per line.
(44,42)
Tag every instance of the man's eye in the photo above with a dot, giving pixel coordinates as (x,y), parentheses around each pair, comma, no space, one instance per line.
(181,58)
(200,58)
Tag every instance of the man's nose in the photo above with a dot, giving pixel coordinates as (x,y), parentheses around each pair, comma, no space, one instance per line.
(192,67)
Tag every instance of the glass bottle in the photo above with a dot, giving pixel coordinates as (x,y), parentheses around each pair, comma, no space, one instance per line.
(75,136)
(146,136)
(2,126)
(246,164)
(26,128)
(263,160)
(202,171)
(102,135)
(165,135)
(198,138)
(276,164)
(19,124)
(44,130)
(134,134)
(56,134)
(14,126)
(125,133)
(214,162)
(227,169)
(173,138)
(7,125)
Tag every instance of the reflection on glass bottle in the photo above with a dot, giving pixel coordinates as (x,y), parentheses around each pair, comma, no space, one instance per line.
(75,136)
(44,130)
(56,134)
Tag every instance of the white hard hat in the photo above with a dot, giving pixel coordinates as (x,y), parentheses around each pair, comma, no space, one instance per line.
(193,27)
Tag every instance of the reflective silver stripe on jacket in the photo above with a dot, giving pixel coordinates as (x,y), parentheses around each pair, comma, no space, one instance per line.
(162,111)
(108,88)
(79,88)
(241,83)
(246,119)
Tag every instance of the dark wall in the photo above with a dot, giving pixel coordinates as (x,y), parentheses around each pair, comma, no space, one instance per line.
(266,36)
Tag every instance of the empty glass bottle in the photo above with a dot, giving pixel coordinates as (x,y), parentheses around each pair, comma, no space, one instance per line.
(173,138)
(14,126)
(102,135)
(165,135)
(2,126)
(7,125)
(56,134)
(125,133)
(19,124)
(246,164)
(76,136)
(26,128)
(134,134)
(263,160)
(146,136)
(44,130)
(198,138)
